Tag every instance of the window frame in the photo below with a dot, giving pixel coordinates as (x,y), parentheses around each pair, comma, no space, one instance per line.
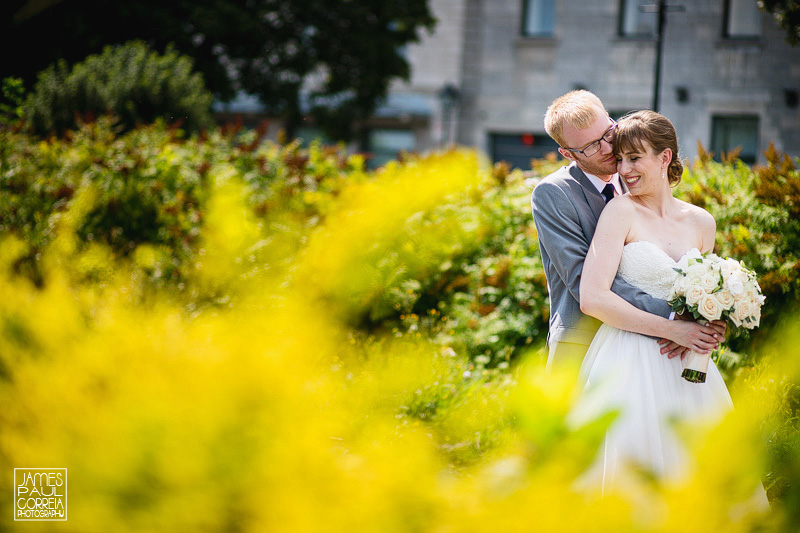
(542,145)
(623,5)
(368,144)
(726,23)
(750,159)
(523,27)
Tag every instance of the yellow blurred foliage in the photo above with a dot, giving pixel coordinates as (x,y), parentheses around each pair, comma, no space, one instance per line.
(264,414)
(381,233)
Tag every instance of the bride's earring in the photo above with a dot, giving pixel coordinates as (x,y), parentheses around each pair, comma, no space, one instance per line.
(664,174)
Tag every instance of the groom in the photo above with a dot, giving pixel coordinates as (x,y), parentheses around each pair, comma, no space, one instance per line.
(566,206)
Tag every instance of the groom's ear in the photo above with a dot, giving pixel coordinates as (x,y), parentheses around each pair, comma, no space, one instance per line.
(566,154)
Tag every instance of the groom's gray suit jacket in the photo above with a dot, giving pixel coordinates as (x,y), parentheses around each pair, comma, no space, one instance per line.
(566,207)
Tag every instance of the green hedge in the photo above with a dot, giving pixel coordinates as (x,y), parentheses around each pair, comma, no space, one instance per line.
(481,290)
(151,186)
(758,221)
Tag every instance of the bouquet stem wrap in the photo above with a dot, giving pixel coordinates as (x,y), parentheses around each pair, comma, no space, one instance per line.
(695,366)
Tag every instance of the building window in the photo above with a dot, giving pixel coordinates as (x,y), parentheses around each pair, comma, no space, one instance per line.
(385,145)
(732,132)
(538,18)
(742,19)
(309,134)
(634,22)
(517,149)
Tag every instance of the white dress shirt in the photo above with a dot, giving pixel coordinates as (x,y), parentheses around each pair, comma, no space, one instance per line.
(600,184)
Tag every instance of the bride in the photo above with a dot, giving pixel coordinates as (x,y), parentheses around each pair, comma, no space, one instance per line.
(642,235)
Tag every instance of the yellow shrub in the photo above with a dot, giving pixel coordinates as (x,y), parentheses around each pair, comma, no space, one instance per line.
(266,414)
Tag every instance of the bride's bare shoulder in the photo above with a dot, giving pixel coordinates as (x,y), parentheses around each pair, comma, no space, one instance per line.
(620,204)
(703,222)
(619,209)
(699,215)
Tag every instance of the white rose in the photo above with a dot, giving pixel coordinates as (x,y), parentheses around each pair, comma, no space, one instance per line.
(743,310)
(756,301)
(693,294)
(709,307)
(693,278)
(735,285)
(752,295)
(679,287)
(756,318)
(683,262)
(696,270)
(694,253)
(725,299)
(729,266)
(709,281)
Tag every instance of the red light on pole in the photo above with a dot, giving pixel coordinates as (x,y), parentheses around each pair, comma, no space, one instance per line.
(527,139)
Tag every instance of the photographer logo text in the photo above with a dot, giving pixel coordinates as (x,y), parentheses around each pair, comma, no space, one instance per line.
(40,494)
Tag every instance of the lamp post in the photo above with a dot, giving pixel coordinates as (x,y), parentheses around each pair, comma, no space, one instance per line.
(661,21)
(448,96)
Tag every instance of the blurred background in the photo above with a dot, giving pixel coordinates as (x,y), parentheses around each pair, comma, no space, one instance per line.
(418,75)
(270,265)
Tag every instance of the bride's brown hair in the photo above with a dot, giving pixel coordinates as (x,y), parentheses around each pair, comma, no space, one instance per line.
(636,129)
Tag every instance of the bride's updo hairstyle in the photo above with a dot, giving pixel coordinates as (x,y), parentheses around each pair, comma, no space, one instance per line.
(652,128)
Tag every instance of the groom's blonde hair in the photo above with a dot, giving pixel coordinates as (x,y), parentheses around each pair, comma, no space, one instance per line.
(577,108)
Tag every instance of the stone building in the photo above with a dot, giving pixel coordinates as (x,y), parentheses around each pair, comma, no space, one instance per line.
(487,73)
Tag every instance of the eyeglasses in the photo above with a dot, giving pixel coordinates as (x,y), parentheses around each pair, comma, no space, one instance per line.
(593,147)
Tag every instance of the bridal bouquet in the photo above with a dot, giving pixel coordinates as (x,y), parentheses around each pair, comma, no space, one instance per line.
(712,288)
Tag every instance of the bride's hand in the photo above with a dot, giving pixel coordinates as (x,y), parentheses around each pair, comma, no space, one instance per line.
(673,349)
(698,338)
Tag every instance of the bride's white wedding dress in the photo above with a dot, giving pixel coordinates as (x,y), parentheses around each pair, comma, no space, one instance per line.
(626,372)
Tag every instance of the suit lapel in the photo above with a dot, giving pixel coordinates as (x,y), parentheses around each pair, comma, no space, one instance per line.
(590,193)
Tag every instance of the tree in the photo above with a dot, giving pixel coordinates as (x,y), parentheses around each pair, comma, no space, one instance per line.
(332,60)
(132,82)
(787,15)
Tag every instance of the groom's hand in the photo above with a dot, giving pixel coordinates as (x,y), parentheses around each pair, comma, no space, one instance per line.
(672,349)
(721,327)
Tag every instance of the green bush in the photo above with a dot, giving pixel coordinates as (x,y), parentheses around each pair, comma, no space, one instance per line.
(13,94)
(440,248)
(492,303)
(466,271)
(131,81)
(267,414)
(758,222)
(150,187)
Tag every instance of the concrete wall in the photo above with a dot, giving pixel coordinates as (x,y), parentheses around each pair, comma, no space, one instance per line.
(507,81)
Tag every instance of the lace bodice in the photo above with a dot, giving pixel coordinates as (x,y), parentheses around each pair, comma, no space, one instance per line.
(648,267)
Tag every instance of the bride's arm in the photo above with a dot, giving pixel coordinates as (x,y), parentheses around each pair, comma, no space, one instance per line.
(599,301)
